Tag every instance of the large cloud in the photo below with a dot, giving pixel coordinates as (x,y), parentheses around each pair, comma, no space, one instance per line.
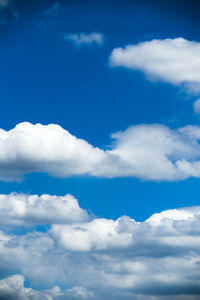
(172,60)
(144,151)
(30,210)
(116,259)
(153,152)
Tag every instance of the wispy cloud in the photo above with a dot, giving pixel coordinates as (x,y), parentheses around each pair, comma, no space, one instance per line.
(79,39)
(52,10)
(8,10)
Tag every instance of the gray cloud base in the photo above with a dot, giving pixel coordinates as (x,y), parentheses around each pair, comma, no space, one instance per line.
(100,258)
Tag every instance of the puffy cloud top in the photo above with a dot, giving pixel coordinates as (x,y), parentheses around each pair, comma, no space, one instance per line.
(29,210)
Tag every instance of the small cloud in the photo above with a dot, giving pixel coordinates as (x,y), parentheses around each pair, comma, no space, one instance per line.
(84,38)
(196,106)
(52,10)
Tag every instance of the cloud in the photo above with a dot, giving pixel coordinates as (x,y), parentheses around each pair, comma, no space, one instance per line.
(157,259)
(151,152)
(79,39)
(52,10)
(29,210)
(196,106)
(176,61)
(12,288)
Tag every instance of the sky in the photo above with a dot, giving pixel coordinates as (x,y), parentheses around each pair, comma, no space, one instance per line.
(99,149)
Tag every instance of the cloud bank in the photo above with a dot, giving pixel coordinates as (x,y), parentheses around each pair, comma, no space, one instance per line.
(150,152)
(79,39)
(157,259)
(176,61)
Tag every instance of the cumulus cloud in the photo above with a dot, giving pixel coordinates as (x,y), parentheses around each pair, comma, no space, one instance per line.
(12,288)
(176,61)
(29,210)
(117,259)
(152,152)
(79,39)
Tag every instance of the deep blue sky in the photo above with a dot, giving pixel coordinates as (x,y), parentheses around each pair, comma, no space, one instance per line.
(47,80)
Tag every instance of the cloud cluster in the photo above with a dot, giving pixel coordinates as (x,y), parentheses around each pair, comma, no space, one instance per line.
(12,288)
(176,61)
(120,259)
(152,152)
(30,210)
(79,39)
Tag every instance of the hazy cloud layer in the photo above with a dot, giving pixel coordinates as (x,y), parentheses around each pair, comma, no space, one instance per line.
(172,60)
(79,39)
(152,152)
(120,259)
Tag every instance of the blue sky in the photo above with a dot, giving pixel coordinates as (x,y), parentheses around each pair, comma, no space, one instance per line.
(45,79)
(66,63)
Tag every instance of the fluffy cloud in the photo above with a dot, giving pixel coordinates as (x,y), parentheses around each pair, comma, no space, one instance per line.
(153,152)
(85,38)
(123,259)
(30,210)
(176,61)
(12,288)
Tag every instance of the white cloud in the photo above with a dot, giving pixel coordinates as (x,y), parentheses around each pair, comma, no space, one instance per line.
(85,38)
(98,234)
(29,210)
(152,152)
(176,61)
(12,288)
(123,259)
(197,106)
